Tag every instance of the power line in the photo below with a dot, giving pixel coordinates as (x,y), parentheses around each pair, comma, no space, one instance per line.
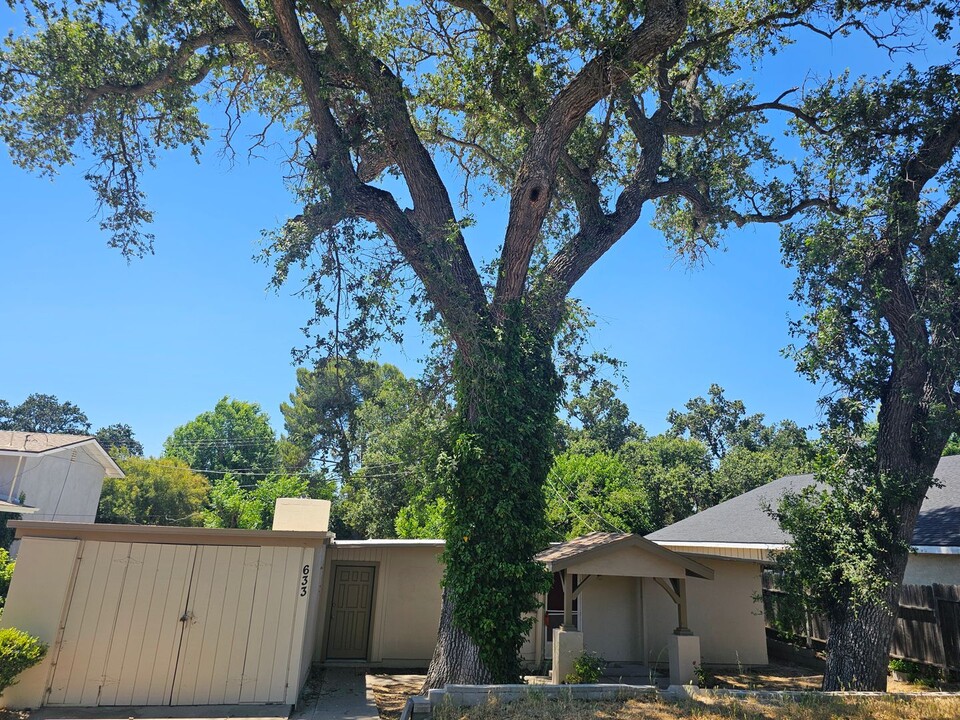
(589,509)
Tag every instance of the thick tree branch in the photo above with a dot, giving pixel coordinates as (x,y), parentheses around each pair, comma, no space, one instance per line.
(741,219)
(172,73)
(332,153)
(899,304)
(679,128)
(537,176)
(450,276)
(933,223)
(481,12)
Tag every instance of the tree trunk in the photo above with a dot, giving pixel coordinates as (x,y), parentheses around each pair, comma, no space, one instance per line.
(858,645)
(456,658)
(909,443)
(501,451)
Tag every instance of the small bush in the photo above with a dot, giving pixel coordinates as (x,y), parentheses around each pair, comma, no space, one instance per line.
(18,651)
(587,669)
(6,572)
(927,675)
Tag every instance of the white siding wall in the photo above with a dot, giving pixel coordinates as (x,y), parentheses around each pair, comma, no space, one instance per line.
(63,486)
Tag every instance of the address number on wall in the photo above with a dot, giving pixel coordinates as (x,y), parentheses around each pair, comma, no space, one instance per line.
(304,580)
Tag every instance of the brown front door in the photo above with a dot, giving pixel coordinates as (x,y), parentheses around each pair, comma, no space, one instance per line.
(350,613)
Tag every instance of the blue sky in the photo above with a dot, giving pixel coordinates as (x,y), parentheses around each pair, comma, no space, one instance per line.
(154,342)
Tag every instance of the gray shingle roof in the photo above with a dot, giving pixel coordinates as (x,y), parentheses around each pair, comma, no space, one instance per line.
(743,519)
(34,442)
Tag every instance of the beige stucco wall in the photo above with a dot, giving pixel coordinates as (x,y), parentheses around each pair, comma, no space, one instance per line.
(612,617)
(721,611)
(924,569)
(63,486)
(406,599)
(36,604)
(630,562)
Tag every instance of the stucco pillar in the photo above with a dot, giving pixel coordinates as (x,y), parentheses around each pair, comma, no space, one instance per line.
(567,647)
(684,652)
(301,514)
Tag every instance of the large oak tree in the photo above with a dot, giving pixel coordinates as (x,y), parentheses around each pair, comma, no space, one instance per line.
(881,281)
(578,115)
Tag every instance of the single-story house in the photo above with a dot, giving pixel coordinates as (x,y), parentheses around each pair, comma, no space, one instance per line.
(53,476)
(628,597)
(741,530)
(141,615)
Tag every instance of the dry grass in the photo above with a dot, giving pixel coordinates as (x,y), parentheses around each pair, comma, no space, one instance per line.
(814,708)
(391,692)
(783,676)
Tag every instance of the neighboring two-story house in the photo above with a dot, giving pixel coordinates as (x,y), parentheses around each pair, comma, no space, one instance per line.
(51,476)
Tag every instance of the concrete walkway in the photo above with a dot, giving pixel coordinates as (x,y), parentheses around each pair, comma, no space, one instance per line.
(340,694)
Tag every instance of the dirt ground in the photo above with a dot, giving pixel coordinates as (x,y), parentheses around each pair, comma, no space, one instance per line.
(794,677)
(392,690)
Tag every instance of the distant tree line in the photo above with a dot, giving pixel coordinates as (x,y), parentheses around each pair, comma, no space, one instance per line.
(46,414)
(365,436)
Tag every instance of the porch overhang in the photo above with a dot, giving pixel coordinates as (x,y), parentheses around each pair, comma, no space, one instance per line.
(621,554)
(624,555)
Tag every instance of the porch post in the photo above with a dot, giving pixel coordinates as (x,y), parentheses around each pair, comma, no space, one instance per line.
(567,640)
(683,625)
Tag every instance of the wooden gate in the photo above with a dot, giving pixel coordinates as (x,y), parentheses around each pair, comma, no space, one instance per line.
(154,624)
(350,611)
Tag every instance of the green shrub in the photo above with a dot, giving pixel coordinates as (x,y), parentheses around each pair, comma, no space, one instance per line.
(927,675)
(703,677)
(18,651)
(6,572)
(587,669)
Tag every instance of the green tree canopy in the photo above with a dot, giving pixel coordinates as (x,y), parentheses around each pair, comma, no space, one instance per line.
(44,414)
(119,439)
(604,420)
(586,493)
(719,423)
(250,505)
(379,433)
(154,491)
(233,437)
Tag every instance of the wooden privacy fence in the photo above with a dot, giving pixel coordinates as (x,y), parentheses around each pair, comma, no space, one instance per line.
(928,626)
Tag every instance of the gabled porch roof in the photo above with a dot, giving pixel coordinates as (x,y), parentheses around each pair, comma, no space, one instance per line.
(623,554)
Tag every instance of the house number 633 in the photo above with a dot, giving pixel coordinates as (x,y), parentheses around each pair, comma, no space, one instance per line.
(304,580)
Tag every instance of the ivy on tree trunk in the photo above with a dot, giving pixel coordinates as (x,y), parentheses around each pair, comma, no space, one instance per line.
(507,395)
